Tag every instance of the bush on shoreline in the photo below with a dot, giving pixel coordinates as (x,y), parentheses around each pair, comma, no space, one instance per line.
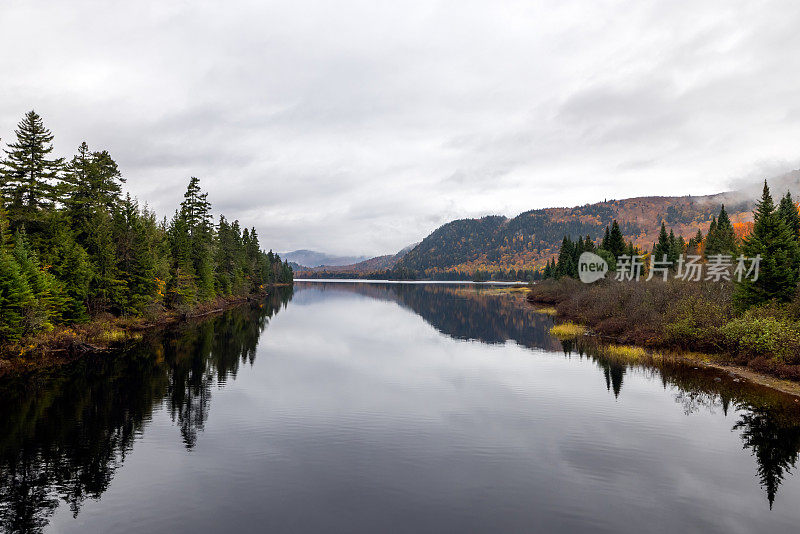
(698,316)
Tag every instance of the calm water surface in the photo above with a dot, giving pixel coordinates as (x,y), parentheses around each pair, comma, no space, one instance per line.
(390,408)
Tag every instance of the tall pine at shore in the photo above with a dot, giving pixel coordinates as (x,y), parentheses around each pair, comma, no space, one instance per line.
(71,246)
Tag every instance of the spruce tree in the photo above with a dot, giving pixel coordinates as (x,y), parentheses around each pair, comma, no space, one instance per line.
(787,210)
(69,264)
(92,181)
(588,244)
(29,177)
(5,226)
(47,294)
(773,241)
(721,237)
(566,263)
(616,242)
(661,248)
(15,298)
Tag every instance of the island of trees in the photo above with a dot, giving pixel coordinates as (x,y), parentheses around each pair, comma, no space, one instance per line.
(73,247)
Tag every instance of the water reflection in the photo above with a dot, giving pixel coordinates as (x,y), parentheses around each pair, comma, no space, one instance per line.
(64,434)
(769,425)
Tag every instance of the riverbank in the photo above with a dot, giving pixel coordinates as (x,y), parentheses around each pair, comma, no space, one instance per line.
(104,333)
(691,323)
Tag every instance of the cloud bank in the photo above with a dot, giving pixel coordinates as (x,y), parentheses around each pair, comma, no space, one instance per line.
(358,127)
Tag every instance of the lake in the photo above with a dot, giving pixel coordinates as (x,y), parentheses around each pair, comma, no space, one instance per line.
(350,407)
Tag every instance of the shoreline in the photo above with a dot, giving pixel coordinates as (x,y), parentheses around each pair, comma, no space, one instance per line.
(689,358)
(65,344)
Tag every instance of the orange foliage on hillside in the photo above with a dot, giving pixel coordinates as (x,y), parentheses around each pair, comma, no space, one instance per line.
(743,229)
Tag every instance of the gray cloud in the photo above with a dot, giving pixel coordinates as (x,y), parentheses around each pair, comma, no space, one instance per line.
(357,127)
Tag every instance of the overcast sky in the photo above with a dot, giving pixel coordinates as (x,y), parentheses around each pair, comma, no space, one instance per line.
(358,127)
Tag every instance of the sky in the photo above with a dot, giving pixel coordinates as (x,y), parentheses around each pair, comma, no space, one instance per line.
(358,127)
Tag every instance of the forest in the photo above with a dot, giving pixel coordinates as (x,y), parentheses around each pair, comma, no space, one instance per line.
(752,320)
(73,247)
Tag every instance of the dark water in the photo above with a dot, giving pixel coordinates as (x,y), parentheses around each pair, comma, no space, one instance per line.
(390,408)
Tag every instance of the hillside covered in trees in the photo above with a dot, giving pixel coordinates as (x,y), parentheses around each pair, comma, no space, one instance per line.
(527,242)
(73,246)
(719,293)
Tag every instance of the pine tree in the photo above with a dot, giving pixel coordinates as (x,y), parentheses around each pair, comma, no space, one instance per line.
(773,241)
(606,243)
(5,226)
(675,249)
(48,298)
(661,248)
(566,263)
(616,242)
(28,176)
(588,244)
(136,261)
(721,237)
(69,264)
(787,210)
(695,244)
(92,182)
(195,208)
(15,298)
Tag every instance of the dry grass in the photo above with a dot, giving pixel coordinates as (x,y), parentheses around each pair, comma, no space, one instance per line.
(626,352)
(546,310)
(568,330)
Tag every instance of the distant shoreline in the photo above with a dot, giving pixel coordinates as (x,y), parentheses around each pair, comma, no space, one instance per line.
(381,281)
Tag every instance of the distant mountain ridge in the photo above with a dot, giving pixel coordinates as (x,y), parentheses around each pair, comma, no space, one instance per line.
(312,258)
(368,266)
(460,248)
(531,238)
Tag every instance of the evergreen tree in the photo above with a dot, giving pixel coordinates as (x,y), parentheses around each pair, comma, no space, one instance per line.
(5,226)
(107,288)
(773,241)
(695,244)
(15,298)
(662,247)
(47,300)
(787,210)
(566,262)
(675,248)
(136,256)
(721,237)
(70,265)
(28,176)
(92,182)
(606,244)
(616,242)
(588,244)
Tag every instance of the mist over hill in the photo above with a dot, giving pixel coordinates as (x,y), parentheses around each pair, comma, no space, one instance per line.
(312,258)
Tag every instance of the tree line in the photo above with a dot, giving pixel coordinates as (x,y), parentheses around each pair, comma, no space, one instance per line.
(774,238)
(72,246)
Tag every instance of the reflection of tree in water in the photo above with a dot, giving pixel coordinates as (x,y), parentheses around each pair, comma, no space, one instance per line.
(64,433)
(774,444)
(769,423)
(462,311)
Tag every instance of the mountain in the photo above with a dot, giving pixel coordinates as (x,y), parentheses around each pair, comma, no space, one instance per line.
(312,258)
(460,248)
(372,265)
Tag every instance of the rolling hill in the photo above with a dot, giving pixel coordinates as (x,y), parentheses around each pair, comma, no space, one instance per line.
(496,243)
